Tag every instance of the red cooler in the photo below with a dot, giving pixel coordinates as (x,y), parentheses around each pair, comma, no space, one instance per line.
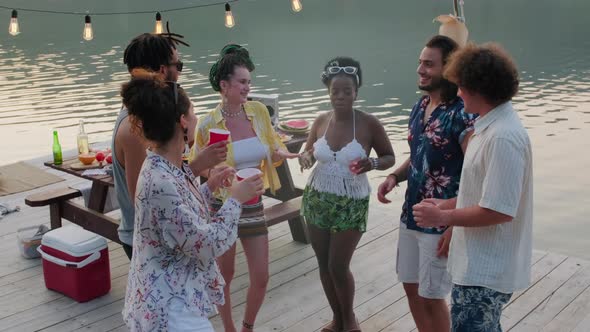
(76,263)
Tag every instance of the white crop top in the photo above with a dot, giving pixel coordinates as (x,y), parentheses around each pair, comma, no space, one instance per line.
(332,173)
(248,152)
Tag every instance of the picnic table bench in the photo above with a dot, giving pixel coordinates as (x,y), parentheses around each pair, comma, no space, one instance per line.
(63,206)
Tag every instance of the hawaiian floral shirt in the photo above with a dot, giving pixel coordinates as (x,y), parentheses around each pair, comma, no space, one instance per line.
(436,157)
(175,245)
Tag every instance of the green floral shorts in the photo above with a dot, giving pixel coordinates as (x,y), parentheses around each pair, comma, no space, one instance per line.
(334,213)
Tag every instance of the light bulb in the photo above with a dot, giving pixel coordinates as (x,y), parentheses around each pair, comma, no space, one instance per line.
(87,34)
(296,6)
(158,29)
(229,17)
(13,26)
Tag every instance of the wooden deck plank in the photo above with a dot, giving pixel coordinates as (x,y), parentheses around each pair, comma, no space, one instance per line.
(558,299)
(32,291)
(584,325)
(107,324)
(538,293)
(572,315)
(61,309)
(547,310)
(542,262)
(363,295)
(293,254)
(301,293)
(103,318)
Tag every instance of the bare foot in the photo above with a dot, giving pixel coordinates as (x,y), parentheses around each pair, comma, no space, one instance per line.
(332,327)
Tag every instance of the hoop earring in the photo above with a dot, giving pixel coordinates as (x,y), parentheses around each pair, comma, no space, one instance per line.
(187,149)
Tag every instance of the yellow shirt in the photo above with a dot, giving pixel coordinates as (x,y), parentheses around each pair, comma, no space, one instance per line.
(262,126)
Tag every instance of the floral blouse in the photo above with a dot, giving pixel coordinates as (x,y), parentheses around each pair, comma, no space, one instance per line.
(175,242)
(436,156)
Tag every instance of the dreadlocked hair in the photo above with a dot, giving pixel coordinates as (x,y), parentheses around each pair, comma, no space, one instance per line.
(230,57)
(150,51)
(151,104)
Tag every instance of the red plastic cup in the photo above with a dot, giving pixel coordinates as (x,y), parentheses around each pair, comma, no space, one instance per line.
(217,135)
(245,174)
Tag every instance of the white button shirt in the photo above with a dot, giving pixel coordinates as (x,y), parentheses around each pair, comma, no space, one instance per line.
(497,175)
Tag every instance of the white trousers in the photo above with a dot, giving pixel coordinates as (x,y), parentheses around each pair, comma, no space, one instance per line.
(182,320)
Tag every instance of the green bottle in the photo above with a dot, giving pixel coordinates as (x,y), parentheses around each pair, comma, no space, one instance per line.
(57,159)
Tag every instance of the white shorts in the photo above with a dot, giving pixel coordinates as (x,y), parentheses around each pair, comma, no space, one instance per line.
(417,263)
(180,319)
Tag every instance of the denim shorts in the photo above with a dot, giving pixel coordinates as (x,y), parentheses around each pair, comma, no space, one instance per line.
(476,308)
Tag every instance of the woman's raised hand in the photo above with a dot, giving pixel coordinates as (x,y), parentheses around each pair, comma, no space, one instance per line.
(220,176)
(214,154)
(248,188)
(359,166)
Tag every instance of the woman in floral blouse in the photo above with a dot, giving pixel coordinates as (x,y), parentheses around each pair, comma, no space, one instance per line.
(174,282)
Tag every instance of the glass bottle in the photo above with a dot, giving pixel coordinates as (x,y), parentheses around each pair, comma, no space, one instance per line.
(82,139)
(57,157)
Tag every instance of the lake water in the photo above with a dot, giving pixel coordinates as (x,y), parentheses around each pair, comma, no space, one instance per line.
(50,78)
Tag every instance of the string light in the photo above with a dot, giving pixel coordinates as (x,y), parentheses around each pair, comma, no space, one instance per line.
(158,29)
(87,33)
(296,6)
(13,26)
(229,17)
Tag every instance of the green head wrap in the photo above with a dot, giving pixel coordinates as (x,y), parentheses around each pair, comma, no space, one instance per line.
(231,55)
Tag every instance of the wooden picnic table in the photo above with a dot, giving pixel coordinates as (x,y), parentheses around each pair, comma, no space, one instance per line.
(94,219)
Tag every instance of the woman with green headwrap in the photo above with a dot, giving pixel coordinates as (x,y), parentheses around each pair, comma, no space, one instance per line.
(253,143)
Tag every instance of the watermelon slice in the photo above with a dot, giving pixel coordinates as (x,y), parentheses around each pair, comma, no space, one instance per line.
(296,124)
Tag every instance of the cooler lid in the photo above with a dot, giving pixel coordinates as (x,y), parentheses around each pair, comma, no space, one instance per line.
(74,241)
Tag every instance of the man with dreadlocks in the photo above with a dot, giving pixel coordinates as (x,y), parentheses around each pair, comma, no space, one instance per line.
(157,53)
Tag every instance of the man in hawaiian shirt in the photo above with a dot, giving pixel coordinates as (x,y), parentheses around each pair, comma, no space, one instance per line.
(438,132)
(490,255)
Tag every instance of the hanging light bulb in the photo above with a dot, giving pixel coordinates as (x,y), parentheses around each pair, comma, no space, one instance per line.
(158,29)
(87,34)
(13,26)
(229,17)
(296,6)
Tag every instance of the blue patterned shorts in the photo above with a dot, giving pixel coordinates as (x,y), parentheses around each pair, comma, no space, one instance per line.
(477,309)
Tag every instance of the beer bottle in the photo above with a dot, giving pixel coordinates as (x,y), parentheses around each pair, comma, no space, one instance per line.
(82,139)
(57,158)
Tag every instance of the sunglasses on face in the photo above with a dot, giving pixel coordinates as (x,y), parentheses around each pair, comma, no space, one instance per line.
(350,70)
(179,65)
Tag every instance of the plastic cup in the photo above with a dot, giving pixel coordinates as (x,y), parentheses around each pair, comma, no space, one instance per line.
(245,174)
(217,135)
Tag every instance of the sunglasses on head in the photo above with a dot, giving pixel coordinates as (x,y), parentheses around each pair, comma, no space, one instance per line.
(350,70)
(179,65)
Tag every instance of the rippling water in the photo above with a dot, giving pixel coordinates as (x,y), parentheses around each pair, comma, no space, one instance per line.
(50,79)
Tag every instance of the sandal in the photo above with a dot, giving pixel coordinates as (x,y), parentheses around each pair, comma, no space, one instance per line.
(330,327)
(355,330)
(248,326)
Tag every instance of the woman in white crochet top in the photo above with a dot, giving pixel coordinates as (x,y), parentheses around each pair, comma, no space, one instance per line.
(336,198)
